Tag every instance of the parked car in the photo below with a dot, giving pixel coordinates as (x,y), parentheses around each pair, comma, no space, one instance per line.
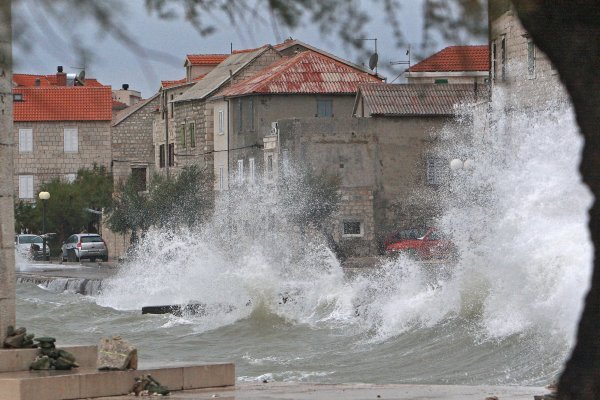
(422,244)
(84,245)
(31,246)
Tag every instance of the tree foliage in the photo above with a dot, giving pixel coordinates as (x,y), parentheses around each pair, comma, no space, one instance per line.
(67,209)
(171,201)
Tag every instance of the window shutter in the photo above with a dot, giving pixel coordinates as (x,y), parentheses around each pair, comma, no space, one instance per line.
(25,140)
(71,140)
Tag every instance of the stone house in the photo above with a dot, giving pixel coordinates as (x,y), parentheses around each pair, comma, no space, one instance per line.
(384,156)
(517,66)
(58,129)
(193,118)
(306,84)
(454,64)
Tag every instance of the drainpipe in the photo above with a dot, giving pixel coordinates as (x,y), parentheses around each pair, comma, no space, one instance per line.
(166,116)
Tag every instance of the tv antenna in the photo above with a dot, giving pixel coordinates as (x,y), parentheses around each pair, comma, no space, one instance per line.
(404,62)
(374,57)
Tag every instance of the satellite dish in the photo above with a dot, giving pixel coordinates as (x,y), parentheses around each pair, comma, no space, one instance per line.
(81,78)
(373,61)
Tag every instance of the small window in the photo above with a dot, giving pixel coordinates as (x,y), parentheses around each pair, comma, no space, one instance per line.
(251,114)
(26,186)
(70,178)
(181,135)
(251,167)
(71,140)
(161,156)
(436,168)
(324,108)
(221,125)
(139,178)
(221,177)
(171,110)
(240,125)
(352,228)
(18,97)
(240,171)
(530,58)
(25,140)
(192,130)
(441,81)
(171,154)
(269,167)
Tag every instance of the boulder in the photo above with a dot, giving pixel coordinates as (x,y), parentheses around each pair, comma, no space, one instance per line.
(15,341)
(116,354)
(40,363)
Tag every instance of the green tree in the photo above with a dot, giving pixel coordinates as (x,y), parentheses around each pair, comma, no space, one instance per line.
(185,199)
(67,209)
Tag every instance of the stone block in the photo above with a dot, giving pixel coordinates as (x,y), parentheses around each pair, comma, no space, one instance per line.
(106,383)
(204,376)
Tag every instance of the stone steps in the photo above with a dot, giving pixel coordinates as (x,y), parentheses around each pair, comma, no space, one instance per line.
(18,383)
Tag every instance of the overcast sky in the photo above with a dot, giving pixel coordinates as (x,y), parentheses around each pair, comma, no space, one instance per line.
(113,63)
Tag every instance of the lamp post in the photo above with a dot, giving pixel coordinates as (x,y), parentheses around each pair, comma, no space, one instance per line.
(44,196)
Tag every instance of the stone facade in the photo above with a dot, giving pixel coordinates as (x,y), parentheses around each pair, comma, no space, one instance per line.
(132,140)
(516,63)
(48,159)
(382,163)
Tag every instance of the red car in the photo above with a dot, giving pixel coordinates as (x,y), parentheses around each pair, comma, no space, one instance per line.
(423,244)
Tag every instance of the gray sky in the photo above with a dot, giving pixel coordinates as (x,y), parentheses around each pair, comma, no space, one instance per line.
(113,63)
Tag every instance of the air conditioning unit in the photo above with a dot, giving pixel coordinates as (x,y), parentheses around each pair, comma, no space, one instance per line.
(274,128)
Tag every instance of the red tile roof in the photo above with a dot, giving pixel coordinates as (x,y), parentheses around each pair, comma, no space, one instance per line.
(28,80)
(418,99)
(168,84)
(206,59)
(63,103)
(456,58)
(306,72)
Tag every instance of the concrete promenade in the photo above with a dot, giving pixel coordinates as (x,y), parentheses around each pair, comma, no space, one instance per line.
(299,391)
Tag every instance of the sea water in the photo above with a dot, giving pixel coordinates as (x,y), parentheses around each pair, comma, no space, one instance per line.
(277,303)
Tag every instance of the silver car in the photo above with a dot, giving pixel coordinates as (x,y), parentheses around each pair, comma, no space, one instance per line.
(31,246)
(84,245)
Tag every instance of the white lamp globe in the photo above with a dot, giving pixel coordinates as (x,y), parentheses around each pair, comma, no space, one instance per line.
(469,164)
(456,164)
(44,195)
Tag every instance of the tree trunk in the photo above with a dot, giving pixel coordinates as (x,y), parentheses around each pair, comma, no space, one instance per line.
(569,33)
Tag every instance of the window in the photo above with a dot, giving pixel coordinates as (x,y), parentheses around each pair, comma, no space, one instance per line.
(324,108)
(192,129)
(138,175)
(26,186)
(251,114)
(435,170)
(240,116)
(494,61)
(70,178)
(171,110)
(240,171)
(18,97)
(270,166)
(181,134)
(71,140)
(171,154)
(221,125)
(25,140)
(251,166)
(221,177)
(161,156)
(352,229)
(530,58)
(503,51)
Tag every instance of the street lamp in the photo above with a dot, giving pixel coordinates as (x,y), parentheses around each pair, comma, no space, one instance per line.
(44,196)
(457,164)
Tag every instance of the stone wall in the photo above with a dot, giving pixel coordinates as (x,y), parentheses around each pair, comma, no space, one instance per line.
(132,142)
(48,159)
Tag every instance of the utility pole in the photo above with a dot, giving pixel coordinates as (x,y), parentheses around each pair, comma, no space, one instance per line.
(7,223)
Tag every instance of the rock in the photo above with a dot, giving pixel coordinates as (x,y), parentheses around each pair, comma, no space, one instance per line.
(15,341)
(10,331)
(46,339)
(116,354)
(64,364)
(66,355)
(20,331)
(40,363)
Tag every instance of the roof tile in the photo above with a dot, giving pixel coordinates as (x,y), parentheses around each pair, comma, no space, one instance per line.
(63,103)
(418,99)
(306,72)
(456,58)
(206,59)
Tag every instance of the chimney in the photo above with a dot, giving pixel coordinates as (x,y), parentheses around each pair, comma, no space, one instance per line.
(125,86)
(61,77)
